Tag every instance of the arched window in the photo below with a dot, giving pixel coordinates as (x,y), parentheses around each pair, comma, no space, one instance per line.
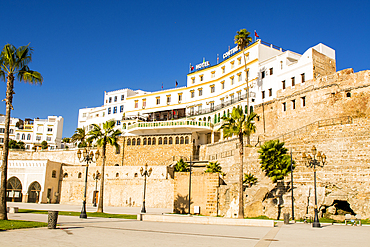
(144,141)
(79,175)
(204,119)
(165,141)
(128,142)
(170,140)
(14,190)
(23,136)
(200,119)
(124,126)
(54,174)
(138,141)
(149,141)
(28,137)
(187,140)
(251,109)
(160,141)
(209,119)
(118,149)
(153,141)
(65,175)
(177,140)
(116,165)
(133,141)
(182,140)
(219,118)
(117,175)
(224,114)
(34,192)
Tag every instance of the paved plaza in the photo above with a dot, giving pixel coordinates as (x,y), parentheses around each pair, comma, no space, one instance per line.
(74,231)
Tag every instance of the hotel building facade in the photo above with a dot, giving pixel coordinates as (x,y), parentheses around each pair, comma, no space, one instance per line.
(211,92)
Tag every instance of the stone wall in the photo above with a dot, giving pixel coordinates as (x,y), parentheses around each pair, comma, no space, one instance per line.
(123,186)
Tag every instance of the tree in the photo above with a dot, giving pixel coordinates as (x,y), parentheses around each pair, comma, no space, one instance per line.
(44,145)
(237,124)
(66,140)
(16,145)
(249,180)
(214,167)
(103,137)
(275,161)
(80,136)
(182,166)
(242,39)
(13,64)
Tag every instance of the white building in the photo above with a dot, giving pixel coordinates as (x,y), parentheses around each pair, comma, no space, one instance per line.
(211,92)
(33,132)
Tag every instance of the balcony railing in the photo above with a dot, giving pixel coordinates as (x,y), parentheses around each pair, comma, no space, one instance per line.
(170,124)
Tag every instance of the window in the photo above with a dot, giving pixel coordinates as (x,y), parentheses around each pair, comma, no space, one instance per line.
(191,110)
(270,92)
(263,94)
(84,114)
(213,89)
(240,77)
(128,142)
(232,97)
(223,85)
(293,81)
(232,80)
(23,136)
(168,99)
(138,141)
(199,108)
(212,106)
(2,130)
(192,94)
(303,100)
(222,102)
(180,97)
(284,106)
(144,141)
(182,140)
(239,96)
(213,74)
(136,104)
(144,103)
(1,140)
(348,94)
(177,140)
(281,64)
(263,74)
(11,131)
(303,78)
(133,141)
(122,97)
(110,99)
(115,98)
(121,108)
(239,60)
(79,175)
(283,83)
(18,136)
(232,64)
(193,80)
(54,174)
(223,69)
(38,138)
(271,71)
(201,78)
(160,141)
(28,137)
(165,141)
(158,100)
(293,104)
(118,122)
(109,110)
(48,138)
(50,129)
(170,140)
(200,92)
(114,109)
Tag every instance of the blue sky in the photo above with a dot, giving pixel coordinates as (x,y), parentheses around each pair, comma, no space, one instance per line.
(83,48)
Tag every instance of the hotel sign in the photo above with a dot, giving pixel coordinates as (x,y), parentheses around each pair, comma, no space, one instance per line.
(230,52)
(202,65)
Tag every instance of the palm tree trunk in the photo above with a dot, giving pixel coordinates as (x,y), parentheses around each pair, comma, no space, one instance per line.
(4,167)
(100,205)
(246,80)
(241,196)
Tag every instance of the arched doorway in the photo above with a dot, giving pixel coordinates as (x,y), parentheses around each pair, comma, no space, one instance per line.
(14,190)
(34,192)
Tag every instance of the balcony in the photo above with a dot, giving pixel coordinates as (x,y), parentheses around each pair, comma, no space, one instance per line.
(169,127)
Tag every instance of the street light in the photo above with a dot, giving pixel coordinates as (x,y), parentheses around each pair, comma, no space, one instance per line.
(312,162)
(145,173)
(96,177)
(88,158)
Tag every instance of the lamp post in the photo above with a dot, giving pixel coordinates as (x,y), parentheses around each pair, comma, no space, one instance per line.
(96,178)
(88,158)
(145,173)
(312,162)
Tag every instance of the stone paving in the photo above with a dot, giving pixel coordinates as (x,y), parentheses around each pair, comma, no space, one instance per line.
(74,231)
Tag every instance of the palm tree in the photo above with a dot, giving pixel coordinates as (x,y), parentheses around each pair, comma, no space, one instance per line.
(237,124)
(80,135)
(103,137)
(242,39)
(13,63)
(214,167)
(182,166)
(249,179)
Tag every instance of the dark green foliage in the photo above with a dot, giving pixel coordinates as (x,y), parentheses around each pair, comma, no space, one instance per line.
(16,145)
(181,166)
(44,144)
(275,161)
(214,167)
(249,179)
